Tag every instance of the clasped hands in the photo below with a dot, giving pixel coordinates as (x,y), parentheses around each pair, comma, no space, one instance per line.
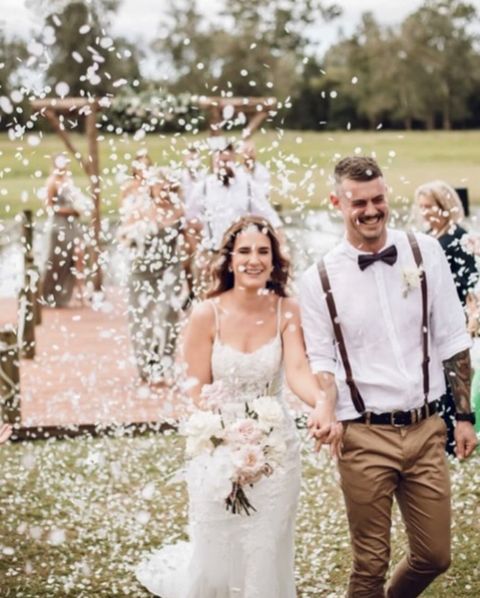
(324,428)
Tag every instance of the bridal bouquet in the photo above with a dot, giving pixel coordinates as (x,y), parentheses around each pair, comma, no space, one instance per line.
(244,442)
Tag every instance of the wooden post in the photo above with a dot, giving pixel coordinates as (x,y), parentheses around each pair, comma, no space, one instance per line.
(9,376)
(94,172)
(26,313)
(34,272)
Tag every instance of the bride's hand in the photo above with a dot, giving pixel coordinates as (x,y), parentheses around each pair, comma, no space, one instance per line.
(321,419)
(324,427)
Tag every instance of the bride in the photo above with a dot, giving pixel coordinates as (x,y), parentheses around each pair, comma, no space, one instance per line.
(244,335)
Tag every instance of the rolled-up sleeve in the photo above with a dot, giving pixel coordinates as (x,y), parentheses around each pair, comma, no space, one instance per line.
(448,324)
(316,323)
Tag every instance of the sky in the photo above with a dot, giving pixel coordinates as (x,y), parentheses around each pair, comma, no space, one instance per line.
(139,18)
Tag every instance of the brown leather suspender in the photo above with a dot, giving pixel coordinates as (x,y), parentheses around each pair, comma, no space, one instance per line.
(423,285)
(332,310)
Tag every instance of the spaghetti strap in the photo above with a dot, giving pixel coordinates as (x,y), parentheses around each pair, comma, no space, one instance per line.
(279,314)
(217,318)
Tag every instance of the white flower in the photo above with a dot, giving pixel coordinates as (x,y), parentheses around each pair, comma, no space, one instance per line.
(276,448)
(411,279)
(219,473)
(270,413)
(199,429)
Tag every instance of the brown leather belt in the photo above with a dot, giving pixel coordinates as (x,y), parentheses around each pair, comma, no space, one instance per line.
(397,418)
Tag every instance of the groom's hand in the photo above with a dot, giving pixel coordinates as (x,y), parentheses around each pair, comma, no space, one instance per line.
(324,428)
(465,439)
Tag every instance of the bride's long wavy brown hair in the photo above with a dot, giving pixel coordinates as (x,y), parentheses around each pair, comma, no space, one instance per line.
(221,277)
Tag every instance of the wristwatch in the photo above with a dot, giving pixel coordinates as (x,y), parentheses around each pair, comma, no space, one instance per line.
(466,417)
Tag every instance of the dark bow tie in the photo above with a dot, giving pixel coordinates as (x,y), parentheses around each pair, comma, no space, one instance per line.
(388,255)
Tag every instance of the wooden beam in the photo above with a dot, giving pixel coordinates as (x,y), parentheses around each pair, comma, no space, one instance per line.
(65,104)
(62,133)
(245,104)
(254,123)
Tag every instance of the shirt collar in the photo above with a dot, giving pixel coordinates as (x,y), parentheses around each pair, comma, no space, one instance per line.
(353,252)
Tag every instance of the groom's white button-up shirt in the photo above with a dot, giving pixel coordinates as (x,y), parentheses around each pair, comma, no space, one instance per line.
(381,318)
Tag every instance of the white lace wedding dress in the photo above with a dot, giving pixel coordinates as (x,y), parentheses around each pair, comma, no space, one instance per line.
(236,556)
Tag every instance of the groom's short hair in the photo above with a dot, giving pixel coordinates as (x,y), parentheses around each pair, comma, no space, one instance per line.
(357,168)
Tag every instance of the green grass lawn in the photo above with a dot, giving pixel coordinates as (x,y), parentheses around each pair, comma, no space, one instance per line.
(76,517)
(301,163)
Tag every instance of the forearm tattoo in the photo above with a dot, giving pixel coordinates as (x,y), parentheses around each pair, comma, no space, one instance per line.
(458,371)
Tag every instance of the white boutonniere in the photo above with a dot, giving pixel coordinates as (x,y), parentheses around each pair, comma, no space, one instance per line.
(411,279)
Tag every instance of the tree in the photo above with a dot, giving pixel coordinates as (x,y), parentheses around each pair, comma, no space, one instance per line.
(438,60)
(12,52)
(251,49)
(83,56)
(359,69)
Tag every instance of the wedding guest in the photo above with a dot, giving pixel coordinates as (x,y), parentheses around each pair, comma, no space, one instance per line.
(442,211)
(222,198)
(191,174)
(258,172)
(65,262)
(151,227)
(383,340)
(242,338)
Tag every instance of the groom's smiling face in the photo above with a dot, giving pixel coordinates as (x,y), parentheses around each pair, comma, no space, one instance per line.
(365,211)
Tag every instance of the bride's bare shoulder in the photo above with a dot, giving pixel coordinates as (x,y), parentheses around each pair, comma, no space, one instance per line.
(203,315)
(290,307)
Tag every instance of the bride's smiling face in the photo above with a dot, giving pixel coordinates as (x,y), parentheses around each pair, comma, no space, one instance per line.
(252,259)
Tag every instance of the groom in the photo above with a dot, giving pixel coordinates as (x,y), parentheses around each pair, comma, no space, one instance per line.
(382,322)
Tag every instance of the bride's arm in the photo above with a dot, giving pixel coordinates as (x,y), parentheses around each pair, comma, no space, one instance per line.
(197,349)
(300,378)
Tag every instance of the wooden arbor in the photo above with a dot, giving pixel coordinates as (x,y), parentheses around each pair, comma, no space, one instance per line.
(54,110)
(255,109)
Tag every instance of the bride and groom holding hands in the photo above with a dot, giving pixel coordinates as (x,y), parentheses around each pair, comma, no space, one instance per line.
(382,325)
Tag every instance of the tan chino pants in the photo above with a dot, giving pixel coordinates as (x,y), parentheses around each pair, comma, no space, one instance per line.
(377,464)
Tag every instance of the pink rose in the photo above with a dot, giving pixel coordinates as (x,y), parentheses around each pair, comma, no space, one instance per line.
(242,432)
(249,461)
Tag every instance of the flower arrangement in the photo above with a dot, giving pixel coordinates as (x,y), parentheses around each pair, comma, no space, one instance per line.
(411,279)
(243,440)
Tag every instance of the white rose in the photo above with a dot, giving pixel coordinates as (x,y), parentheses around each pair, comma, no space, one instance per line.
(275,448)
(199,429)
(219,473)
(270,413)
(411,279)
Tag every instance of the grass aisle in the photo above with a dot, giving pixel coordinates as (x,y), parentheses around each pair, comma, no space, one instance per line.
(76,516)
(301,163)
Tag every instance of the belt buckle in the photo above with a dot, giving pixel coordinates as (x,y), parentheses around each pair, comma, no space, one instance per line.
(392,419)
